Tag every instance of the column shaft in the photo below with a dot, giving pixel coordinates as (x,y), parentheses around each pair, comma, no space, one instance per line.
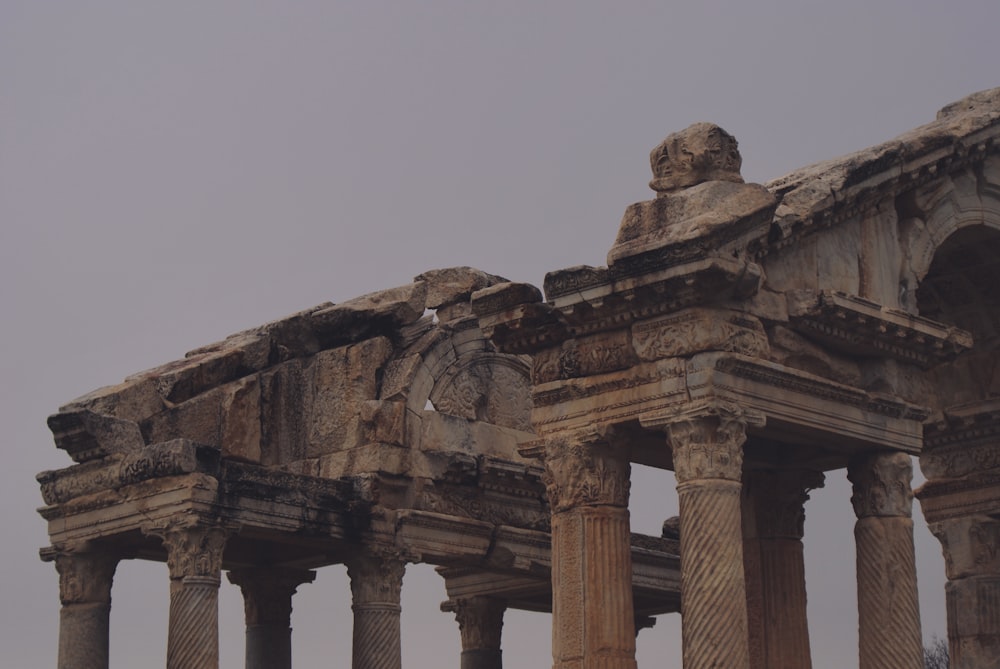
(85,592)
(480,621)
(267,603)
(593,624)
(376,582)
(889,634)
(194,557)
(774,515)
(708,461)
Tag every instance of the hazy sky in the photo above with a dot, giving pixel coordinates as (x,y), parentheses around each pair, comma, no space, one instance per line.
(173,172)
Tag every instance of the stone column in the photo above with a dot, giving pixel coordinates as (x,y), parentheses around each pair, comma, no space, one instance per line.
(194,558)
(376,582)
(593,622)
(888,609)
(972,557)
(480,621)
(708,462)
(267,603)
(773,518)
(85,592)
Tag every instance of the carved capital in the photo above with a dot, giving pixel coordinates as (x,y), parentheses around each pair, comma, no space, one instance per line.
(881,485)
(584,473)
(267,592)
(480,621)
(778,500)
(193,550)
(376,579)
(85,577)
(701,152)
(971,545)
(708,447)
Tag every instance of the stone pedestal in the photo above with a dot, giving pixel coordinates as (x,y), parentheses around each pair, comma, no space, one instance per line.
(194,558)
(592,612)
(773,517)
(708,462)
(480,621)
(889,634)
(267,600)
(85,592)
(376,582)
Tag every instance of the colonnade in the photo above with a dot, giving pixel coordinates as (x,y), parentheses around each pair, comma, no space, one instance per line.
(743,587)
(194,558)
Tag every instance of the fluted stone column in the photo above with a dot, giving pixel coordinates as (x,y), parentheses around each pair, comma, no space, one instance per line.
(708,463)
(773,518)
(376,582)
(480,622)
(194,558)
(593,622)
(267,603)
(888,609)
(85,580)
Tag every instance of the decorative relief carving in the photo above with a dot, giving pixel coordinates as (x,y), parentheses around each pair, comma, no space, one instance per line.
(192,550)
(597,354)
(495,390)
(701,152)
(376,578)
(498,510)
(881,485)
(984,538)
(779,498)
(584,473)
(697,330)
(85,577)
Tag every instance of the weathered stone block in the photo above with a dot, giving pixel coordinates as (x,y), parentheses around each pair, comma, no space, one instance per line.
(455,284)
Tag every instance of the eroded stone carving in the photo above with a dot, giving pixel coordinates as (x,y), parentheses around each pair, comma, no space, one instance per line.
(579,473)
(882,485)
(701,152)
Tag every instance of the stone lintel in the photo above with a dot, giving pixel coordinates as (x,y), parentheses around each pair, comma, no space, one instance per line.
(799,407)
(858,326)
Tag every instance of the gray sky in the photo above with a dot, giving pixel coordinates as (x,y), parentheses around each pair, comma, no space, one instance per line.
(174,172)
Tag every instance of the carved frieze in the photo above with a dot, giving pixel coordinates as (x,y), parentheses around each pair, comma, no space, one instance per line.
(584,473)
(585,356)
(493,389)
(696,330)
(881,485)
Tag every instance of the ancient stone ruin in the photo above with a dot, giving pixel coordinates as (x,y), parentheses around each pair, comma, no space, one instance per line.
(748,337)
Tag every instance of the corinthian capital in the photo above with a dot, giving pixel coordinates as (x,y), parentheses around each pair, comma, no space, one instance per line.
(581,472)
(881,485)
(193,550)
(708,446)
(376,578)
(85,577)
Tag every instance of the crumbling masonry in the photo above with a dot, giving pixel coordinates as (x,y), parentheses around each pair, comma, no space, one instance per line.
(748,337)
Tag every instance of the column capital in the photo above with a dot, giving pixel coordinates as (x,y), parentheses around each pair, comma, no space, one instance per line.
(780,496)
(376,578)
(85,576)
(267,592)
(708,443)
(881,485)
(585,470)
(193,549)
(480,621)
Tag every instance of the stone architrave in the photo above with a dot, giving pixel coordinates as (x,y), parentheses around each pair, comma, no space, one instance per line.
(480,622)
(773,521)
(592,612)
(889,635)
(376,583)
(85,580)
(267,603)
(708,462)
(194,558)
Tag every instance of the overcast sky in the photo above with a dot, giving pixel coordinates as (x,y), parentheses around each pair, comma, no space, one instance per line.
(173,172)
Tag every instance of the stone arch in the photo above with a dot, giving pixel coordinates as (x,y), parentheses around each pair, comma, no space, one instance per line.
(964,199)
